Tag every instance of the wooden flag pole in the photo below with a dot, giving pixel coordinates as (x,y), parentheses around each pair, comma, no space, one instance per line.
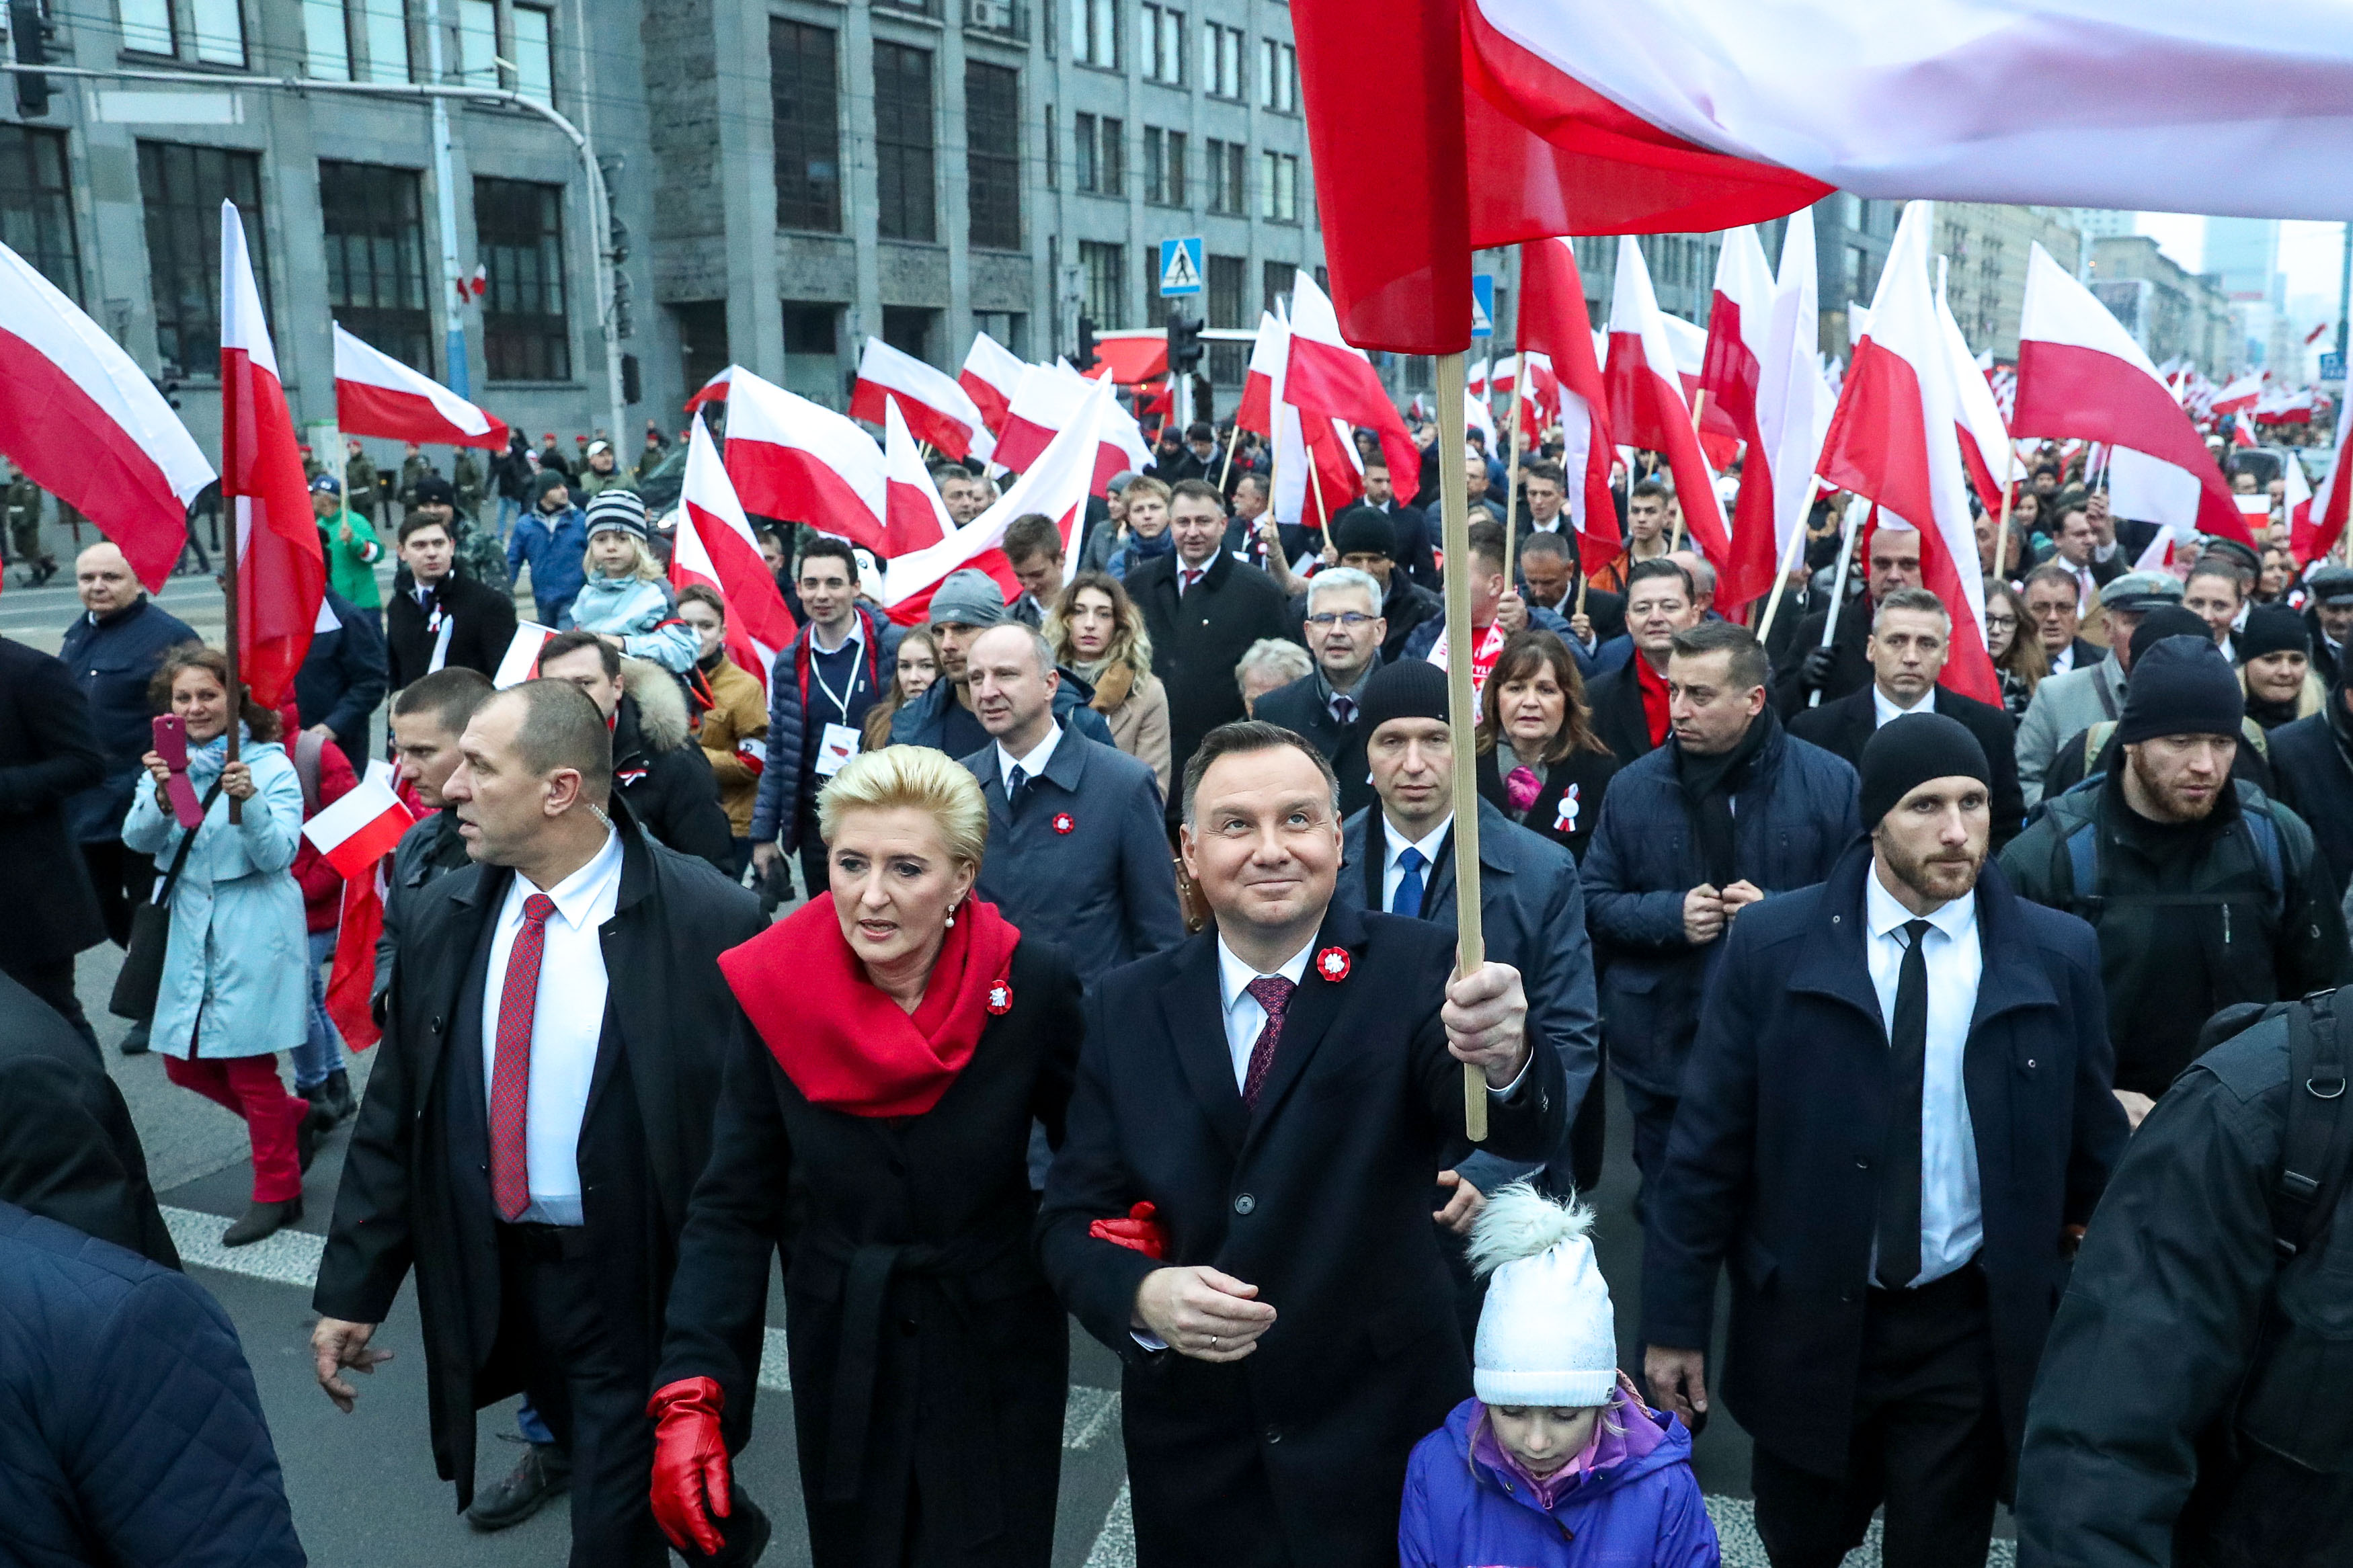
(1454,511)
(2001,530)
(1837,586)
(1233,437)
(1512,479)
(236,680)
(1316,483)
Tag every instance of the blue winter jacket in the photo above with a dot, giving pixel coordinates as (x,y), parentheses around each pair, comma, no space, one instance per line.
(923,723)
(112,659)
(776,809)
(556,546)
(133,1435)
(1644,1512)
(1790,823)
(641,613)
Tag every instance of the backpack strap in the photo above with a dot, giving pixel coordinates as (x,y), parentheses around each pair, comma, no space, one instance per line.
(2314,1147)
(2083,847)
(2263,829)
(2095,740)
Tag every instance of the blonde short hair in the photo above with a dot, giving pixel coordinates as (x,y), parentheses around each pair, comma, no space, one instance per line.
(920,777)
(645,569)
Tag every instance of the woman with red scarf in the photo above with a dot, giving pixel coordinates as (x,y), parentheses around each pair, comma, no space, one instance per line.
(895,1038)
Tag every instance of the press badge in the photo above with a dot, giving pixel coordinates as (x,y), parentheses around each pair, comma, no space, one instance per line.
(835,748)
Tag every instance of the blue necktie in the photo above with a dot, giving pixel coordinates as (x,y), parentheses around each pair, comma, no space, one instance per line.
(1409,892)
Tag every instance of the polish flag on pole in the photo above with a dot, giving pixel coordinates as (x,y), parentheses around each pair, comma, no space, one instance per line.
(1056,484)
(2081,373)
(793,459)
(1891,442)
(990,372)
(359,829)
(938,408)
(82,421)
(1739,323)
(716,547)
(1986,449)
(1046,400)
(375,395)
(354,836)
(1793,401)
(1554,321)
(1326,446)
(1476,416)
(1646,402)
(282,576)
(2323,524)
(2243,393)
(913,513)
(711,391)
(1474,380)
(1262,383)
(1324,374)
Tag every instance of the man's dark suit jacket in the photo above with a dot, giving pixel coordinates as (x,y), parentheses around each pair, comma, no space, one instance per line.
(1300,706)
(415,1186)
(1321,1197)
(1198,637)
(1846,726)
(485,625)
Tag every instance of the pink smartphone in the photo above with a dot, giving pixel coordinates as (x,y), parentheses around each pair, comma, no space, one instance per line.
(171,745)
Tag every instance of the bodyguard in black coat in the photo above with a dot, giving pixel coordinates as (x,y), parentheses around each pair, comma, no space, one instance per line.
(1197,638)
(47,756)
(2312,765)
(1274,1429)
(1845,727)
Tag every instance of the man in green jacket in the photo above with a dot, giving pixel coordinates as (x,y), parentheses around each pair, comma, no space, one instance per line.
(351,547)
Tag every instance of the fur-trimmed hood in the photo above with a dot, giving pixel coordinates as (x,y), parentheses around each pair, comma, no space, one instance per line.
(662,721)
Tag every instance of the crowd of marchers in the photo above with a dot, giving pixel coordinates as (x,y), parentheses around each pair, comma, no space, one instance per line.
(1089,952)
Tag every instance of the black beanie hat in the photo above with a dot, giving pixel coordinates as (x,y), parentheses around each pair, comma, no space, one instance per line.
(2180,685)
(1907,752)
(2167,621)
(1362,530)
(2272,628)
(1410,688)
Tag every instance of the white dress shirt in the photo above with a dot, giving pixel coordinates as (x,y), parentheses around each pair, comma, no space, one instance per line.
(1885,710)
(1032,766)
(1392,873)
(1951,1218)
(566,1024)
(2064,659)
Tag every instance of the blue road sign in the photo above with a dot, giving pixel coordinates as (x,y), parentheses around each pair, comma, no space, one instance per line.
(2332,365)
(1483,304)
(1180,267)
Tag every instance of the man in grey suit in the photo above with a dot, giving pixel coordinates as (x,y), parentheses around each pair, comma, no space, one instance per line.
(2069,704)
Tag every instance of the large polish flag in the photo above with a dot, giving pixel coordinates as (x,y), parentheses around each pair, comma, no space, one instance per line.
(1891,441)
(1646,402)
(1793,400)
(1739,323)
(2322,526)
(938,408)
(1046,400)
(989,374)
(716,547)
(792,458)
(1262,383)
(711,391)
(1554,321)
(1326,374)
(1057,484)
(375,395)
(281,577)
(1987,451)
(2244,392)
(913,510)
(2080,373)
(84,423)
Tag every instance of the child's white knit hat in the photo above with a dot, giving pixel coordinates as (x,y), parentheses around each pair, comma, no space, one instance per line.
(1546,1336)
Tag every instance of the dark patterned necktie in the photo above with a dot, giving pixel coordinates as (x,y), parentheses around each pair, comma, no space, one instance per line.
(1271,992)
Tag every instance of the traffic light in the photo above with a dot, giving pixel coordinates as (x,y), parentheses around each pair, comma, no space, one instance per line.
(1184,343)
(632,386)
(1086,356)
(30,35)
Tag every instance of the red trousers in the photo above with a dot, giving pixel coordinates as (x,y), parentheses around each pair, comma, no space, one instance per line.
(250,1088)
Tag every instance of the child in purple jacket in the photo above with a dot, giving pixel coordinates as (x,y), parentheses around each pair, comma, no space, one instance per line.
(1557,1463)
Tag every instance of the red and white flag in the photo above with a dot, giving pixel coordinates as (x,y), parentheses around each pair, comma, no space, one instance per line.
(1057,484)
(375,395)
(2244,391)
(1554,321)
(913,509)
(1891,441)
(1262,383)
(282,576)
(1046,400)
(2313,336)
(1986,449)
(2324,514)
(1793,399)
(84,423)
(716,547)
(1646,409)
(2081,373)
(1324,374)
(938,408)
(353,835)
(711,391)
(989,374)
(792,458)
(355,831)
(1739,321)
(1475,377)
(1318,473)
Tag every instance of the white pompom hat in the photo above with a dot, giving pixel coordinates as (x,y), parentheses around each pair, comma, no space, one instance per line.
(1546,1335)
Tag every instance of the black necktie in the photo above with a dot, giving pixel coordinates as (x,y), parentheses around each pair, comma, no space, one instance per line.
(1907,1067)
(1015,782)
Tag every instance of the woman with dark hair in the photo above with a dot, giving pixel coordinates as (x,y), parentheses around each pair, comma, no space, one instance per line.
(234,992)
(1539,760)
(2018,656)
(1097,633)
(916,666)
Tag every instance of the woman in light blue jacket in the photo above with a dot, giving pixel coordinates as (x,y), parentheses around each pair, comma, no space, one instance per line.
(233,990)
(625,600)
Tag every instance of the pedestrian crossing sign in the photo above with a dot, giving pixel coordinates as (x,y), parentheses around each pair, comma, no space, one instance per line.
(1180,267)
(1483,304)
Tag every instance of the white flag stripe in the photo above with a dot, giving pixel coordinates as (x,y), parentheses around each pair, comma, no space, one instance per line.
(360,805)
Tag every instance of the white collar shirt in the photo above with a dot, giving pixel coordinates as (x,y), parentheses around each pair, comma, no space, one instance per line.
(1032,766)
(1885,710)
(1394,848)
(1952,1226)
(567,1023)
(1244,1017)
(2064,659)
(855,637)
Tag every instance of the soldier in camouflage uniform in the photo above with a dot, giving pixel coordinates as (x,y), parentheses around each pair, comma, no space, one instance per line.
(359,485)
(23,504)
(466,478)
(477,553)
(311,468)
(413,468)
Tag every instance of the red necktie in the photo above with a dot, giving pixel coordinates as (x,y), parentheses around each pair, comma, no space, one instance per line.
(1272,992)
(1192,575)
(511,1068)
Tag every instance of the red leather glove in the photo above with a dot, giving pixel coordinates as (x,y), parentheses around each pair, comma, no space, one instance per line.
(690,1462)
(1141,1231)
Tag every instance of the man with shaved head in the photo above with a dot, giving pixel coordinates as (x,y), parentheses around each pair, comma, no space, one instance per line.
(539,1111)
(112,650)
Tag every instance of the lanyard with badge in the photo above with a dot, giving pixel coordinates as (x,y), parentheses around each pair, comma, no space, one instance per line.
(838,742)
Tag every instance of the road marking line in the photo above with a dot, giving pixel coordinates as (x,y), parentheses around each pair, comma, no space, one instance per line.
(1115,1547)
(289,1257)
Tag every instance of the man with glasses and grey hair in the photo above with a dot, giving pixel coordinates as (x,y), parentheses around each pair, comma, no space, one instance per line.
(1345,631)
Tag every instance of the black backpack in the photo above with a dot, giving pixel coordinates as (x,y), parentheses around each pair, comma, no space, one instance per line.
(2315,1149)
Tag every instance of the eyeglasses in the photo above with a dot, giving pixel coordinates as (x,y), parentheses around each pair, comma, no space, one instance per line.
(1351,619)
(2001,622)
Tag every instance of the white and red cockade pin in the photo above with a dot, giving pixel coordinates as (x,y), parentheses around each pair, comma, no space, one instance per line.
(1332,964)
(1000,999)
(1065,822)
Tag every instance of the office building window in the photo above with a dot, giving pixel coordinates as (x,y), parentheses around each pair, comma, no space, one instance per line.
(907,204)
(216,32)
(375,223)
(1278,276)
(519,234)
(534,52)
(1278,76)
(147,26)
(1053,133)
(1102,154)
(1105,270)
(36,205)
(991,118)
(1860,281)
(1221,60)
(1163,166)
(1160,44)
(1227,278)
(326,46)
(1010,328)
(383,29)
(219,31)
(478,45)
(812,352)
(806,103)
(181,189)
(1095,33)
(911,329)
(1279,187)
(1227,177)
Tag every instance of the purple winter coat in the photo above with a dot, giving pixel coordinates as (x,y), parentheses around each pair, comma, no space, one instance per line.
(1643,1511)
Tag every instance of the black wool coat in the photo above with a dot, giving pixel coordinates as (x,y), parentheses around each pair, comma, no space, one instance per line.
(1199,639)
(1845,727)
(925,1345)
(47,755)
(1321,1197)
(485,625)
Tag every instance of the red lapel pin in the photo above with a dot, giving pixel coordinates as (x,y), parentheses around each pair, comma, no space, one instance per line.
(1065,822)
(1332,964)
(1000,999)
